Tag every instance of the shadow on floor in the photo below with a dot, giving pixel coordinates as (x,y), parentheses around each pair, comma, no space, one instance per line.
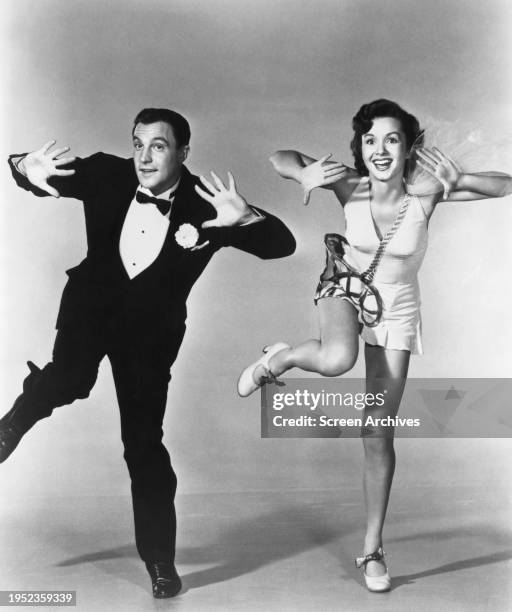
(240,548)
(121,552)
(453,567)
(246,545)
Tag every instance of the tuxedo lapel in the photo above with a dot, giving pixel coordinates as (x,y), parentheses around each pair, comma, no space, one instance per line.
(184,209)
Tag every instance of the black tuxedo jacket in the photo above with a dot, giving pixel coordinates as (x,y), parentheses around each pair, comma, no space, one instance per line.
(100,287)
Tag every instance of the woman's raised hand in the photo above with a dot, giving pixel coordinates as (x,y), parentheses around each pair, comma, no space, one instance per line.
(320,173)
(440,166)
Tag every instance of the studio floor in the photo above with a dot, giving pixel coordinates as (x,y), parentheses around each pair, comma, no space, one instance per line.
(449,548)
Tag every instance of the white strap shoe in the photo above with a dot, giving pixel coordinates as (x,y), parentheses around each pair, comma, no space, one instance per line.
(247,383)
(375,584)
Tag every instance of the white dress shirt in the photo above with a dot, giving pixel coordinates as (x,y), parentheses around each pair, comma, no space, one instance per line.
(144,231)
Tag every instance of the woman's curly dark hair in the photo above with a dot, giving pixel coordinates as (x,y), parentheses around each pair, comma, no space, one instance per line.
(363,121)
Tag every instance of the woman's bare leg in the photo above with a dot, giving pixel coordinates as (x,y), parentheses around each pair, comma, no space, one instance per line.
(386,370)
(336,351)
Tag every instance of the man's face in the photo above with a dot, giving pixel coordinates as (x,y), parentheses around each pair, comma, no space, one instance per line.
(157,158)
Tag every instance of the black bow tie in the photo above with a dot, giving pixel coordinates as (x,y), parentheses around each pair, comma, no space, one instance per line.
(164,206)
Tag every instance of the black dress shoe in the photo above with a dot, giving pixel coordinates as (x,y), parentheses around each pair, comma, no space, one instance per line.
(9,439)
(165,579)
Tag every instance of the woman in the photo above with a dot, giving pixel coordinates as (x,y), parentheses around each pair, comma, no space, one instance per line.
(387,239)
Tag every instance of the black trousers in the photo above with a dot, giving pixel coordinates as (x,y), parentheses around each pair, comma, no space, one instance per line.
(141,357)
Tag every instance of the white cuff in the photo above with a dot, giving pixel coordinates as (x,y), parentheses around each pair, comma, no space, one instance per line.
(16,163)
(259,217)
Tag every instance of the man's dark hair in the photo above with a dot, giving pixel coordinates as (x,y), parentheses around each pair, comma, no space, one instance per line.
(363,121)
(178,123)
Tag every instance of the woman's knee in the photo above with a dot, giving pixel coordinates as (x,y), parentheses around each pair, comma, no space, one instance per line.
(336,359)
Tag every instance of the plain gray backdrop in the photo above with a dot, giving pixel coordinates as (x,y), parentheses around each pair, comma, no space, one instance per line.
(251,77)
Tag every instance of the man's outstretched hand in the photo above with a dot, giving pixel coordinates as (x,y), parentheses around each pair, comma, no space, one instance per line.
(42,164)
(232,209)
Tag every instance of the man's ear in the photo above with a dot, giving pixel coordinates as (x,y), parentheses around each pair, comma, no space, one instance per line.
(183,153)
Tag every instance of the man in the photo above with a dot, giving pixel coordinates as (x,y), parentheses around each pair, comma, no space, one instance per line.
(151,230)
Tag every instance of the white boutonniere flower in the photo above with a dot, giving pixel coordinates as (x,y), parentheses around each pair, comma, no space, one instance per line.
(187,236)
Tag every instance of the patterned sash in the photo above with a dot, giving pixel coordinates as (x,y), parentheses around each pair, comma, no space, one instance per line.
(340,279)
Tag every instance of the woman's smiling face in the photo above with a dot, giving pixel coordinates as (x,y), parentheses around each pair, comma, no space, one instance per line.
(384,149)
